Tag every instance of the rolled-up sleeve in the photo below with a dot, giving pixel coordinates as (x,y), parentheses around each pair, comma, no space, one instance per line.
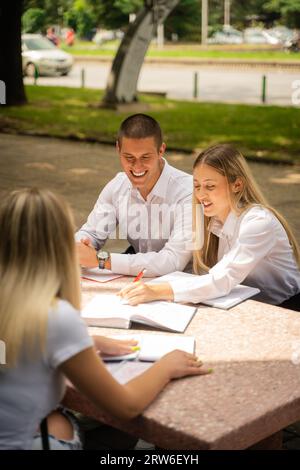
(254,241)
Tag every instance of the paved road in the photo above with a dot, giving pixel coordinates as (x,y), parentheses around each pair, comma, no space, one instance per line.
(218,85)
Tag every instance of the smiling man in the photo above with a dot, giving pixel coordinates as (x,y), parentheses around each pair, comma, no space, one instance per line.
(150,202)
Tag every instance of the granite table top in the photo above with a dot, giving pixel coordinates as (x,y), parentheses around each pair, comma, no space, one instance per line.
(253,392)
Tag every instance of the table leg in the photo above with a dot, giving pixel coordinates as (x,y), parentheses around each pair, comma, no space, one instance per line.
(273,442)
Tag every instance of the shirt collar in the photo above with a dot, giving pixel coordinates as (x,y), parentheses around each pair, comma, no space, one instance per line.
(225,230)
(160,188)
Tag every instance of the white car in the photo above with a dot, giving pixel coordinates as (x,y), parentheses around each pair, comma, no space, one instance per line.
(228,35)
(259,36)
(39,54)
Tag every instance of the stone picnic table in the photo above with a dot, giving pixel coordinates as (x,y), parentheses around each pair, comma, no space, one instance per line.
(252,394)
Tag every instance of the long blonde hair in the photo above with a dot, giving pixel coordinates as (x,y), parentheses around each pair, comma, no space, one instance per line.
(230,163)
(37,264)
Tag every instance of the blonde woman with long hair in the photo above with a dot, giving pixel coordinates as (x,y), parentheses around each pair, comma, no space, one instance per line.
(46,340)
(245,240)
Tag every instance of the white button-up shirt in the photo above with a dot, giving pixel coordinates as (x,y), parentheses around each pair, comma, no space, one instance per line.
(159,228)
(254,250)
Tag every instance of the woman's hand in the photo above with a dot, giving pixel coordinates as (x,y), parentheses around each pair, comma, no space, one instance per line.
(114,347)
(180,364)
(138,292)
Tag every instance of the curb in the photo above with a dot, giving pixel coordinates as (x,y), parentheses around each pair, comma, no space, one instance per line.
(235,63)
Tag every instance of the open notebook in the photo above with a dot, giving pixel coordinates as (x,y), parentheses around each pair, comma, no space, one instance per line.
(237,295)
(98,275)
(124,371)
(153,347)
(110,311)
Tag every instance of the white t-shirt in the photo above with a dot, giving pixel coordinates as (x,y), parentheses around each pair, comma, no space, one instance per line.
(31,390)
(254,250)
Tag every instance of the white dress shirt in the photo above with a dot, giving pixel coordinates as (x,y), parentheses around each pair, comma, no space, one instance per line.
(159,228)
(254,250)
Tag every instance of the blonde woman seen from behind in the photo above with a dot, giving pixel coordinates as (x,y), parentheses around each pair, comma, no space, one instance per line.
(245,240)
(46,340)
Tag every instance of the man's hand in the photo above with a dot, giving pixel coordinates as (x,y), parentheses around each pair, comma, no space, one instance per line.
(86,253)
(107,264)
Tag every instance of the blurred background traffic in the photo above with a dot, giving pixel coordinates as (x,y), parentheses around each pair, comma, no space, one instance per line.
(56,31)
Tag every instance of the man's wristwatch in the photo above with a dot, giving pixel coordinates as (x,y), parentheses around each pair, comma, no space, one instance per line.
(102,257)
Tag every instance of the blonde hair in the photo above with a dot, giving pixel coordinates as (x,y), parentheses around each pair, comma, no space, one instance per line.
(230,163)
(37,265)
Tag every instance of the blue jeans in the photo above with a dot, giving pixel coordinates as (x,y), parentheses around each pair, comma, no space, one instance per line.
(61,444)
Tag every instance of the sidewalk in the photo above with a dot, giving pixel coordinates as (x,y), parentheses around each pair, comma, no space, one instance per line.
(293,65)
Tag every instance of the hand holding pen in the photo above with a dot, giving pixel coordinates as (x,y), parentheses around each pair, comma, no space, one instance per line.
(140,275)
(139,292)
(130,289)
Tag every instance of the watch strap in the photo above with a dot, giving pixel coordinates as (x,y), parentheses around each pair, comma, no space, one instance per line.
(101,263)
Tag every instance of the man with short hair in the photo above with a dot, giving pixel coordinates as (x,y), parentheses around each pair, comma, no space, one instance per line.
(150,202)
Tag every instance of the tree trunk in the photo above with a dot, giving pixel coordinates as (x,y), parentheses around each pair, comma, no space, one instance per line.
(124,74)
(10,51)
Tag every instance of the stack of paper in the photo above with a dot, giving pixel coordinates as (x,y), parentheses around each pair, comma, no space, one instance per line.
(98,275)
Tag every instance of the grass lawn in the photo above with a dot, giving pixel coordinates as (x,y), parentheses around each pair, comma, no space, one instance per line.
(268,132)
(243,52)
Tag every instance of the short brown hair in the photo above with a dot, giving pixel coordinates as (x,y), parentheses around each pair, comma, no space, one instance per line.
(140,126)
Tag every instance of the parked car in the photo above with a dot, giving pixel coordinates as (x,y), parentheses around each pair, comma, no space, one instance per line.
(228,35)
(39,54)
(260,36)
(282,33)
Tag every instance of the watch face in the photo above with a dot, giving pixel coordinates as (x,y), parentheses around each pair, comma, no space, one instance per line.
(102,255)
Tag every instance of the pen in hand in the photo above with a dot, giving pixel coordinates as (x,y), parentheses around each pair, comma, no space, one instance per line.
(136,279)
(140,275)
